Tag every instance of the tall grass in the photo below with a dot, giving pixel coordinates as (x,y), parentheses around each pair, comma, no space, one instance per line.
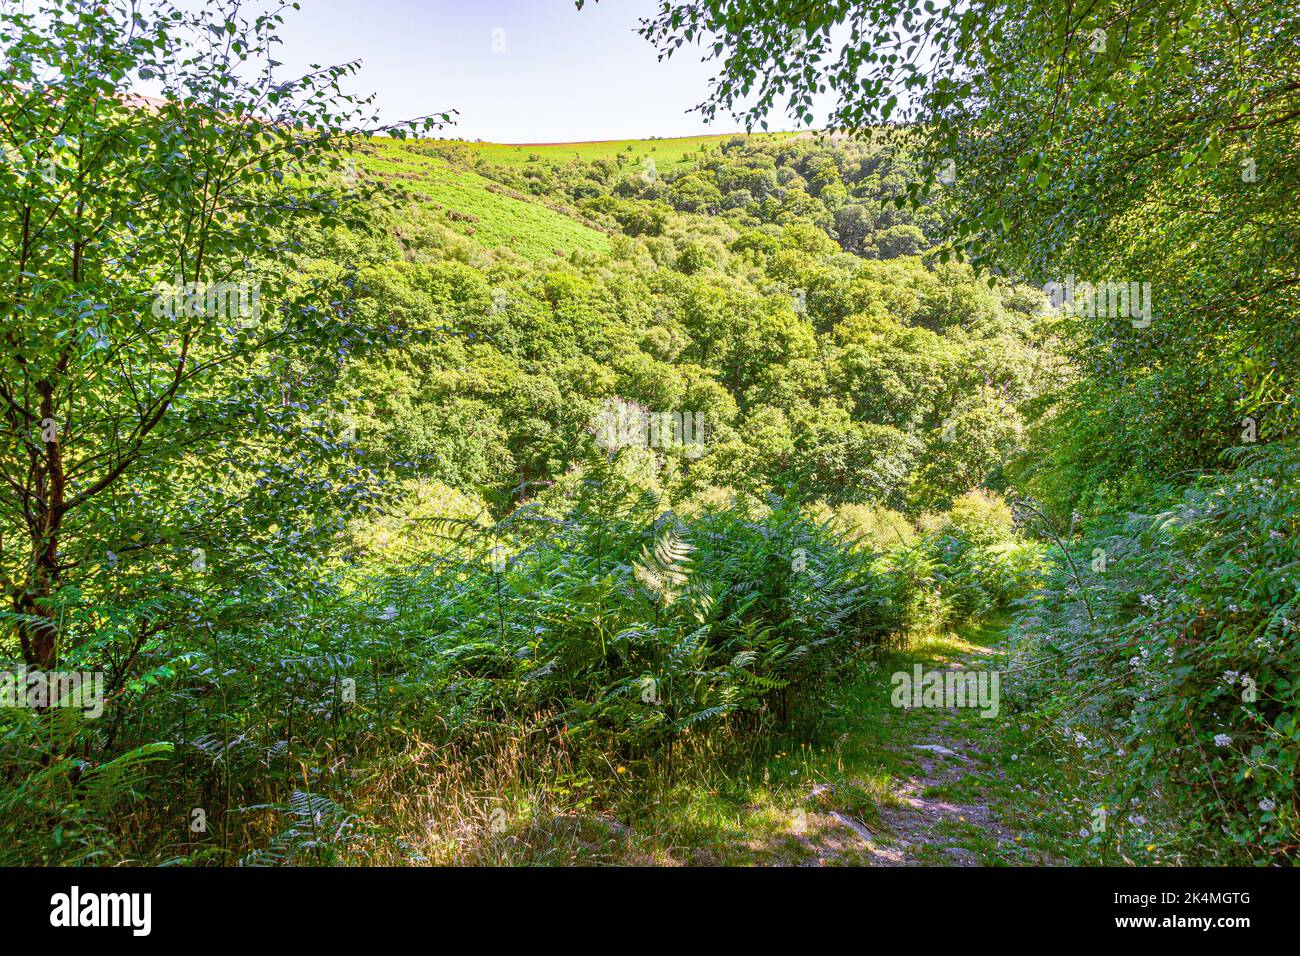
(539,676)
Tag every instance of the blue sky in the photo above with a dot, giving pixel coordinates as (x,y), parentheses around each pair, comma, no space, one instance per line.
(562,74)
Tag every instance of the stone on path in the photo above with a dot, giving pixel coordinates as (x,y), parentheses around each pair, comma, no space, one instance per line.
(939,749)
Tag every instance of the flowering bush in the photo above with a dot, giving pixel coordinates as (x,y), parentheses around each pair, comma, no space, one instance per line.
(1173,636)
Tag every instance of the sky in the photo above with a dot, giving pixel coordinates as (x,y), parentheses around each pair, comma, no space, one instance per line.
(517,71)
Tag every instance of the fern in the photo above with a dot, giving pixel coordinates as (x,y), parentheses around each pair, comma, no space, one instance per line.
(663,571)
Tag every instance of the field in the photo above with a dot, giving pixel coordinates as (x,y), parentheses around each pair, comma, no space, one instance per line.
(665,151)
(475,207)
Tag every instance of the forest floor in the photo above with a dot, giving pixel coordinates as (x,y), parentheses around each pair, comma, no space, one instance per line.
(868,784)
(886,786)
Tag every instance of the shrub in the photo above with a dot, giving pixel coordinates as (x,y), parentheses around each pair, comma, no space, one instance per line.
(611,629)
(981,563)
(872,526)
(633,624)
(1167,643)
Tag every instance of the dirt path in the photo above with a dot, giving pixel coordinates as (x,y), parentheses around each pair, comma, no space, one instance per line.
(875,785)
(945,796)
(932,820)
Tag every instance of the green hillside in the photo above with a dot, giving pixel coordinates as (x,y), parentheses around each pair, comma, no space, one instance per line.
(439,175)
(666,151)
(473,206)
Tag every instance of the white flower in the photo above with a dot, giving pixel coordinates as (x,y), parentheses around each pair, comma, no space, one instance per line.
(1267,805)
(1222,740)
(1231,677)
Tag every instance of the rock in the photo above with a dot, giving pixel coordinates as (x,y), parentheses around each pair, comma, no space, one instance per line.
(939,749)
(853,825)
(961,856)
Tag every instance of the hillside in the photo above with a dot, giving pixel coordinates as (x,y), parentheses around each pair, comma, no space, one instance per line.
(475,207)
(667,151)
(442,176)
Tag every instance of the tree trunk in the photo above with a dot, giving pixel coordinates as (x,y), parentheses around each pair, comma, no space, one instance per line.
(40,638)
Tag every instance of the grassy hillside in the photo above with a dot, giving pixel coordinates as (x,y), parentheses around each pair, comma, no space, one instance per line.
(473,206)
(666,151)
(495,216)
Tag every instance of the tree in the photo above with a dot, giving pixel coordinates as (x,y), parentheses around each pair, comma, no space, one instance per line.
(853,226)
(1145,143)
(149,331)
(838,460)
(901,240)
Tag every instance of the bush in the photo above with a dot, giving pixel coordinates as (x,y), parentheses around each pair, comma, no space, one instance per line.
(632,624)
(611,630)
(872,526)
(1168,644)
(981,563)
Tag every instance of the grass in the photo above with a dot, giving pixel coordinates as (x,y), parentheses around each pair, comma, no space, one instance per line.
(846,784)
(496,217)
(781,809)
(475,207)
(666,151)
